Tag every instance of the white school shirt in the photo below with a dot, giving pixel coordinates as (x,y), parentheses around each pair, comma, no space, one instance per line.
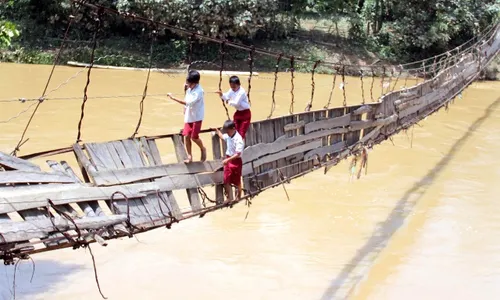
(238,99)
(195,105)
(234,144)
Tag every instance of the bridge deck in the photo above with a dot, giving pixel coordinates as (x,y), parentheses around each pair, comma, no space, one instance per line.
(126,188)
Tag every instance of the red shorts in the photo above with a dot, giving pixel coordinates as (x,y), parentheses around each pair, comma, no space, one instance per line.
(242,120)
(232,171)
(192,129)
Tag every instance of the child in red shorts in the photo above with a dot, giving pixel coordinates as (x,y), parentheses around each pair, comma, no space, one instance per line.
(237,97)
(194,112)
(233,164)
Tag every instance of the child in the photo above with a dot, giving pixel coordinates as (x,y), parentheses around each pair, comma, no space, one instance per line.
(232,164)
(194,112)
(237,97)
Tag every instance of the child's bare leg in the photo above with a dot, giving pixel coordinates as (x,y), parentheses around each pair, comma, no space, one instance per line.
(188,149)
(203,150)
(238,192)
(229,193)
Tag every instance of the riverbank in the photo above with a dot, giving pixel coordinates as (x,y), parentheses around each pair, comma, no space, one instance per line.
(312,44)
(173,54)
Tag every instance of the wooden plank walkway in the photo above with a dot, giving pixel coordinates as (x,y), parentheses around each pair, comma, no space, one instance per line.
(125,188)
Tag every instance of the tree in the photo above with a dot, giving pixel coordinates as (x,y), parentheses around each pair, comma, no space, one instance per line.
(8,31)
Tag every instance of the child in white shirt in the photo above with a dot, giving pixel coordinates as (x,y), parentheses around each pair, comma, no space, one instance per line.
(233,163)
(194,112)
(237,97)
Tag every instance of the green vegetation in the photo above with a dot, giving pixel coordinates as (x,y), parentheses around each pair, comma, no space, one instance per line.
(356,31)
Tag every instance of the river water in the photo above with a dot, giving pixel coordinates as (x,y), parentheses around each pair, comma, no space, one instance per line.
(423,223)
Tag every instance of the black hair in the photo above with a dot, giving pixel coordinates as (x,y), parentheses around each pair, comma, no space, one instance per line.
(193,77)
(228,125)
(235,80)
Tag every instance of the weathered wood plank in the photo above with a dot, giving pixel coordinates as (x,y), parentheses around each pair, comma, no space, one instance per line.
(294,126)
(247,168)
(147,152)
(122,153)
(167,201)
(217,155)
(323,151)
(99,161)
(328,123)
(114,155)
(41,228)
(362,110)
(70,171)
(259,150)
(133,153)
(112,177)
(63,194)
(181,154)
(12,162)
(86,166)
(155,153)
(34,177)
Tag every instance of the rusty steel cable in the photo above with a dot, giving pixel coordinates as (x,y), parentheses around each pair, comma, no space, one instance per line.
(250,65)
(361,75)
(390,80)
(397,79)
(94,45)
(40,100)
(292,70)
(335,72)
(382,80)
(309,105)
(145,92)
(343,86)
(222,55)
(276,70)
(373,83)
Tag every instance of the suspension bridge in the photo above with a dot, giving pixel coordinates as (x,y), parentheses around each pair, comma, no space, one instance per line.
(126,189)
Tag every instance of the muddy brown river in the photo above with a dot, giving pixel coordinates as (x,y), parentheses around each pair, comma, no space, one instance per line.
(424,222)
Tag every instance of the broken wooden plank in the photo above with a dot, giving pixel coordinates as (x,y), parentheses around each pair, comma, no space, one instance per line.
(247,167)
(34,177)
(323,151)
(113,177)
(363,110)
(41,228)
(85,165)
(294,126)
(14,163)
(328,123)
(358,125)
(59,194)
(283,142)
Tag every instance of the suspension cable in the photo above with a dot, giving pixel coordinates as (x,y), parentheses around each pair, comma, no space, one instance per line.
(276,70)
(85,97)
(309,105)
(222,54)
(361,75)
(40,100)
(335,72)
(292,70)
(250,65)
(343,86)
(145,92)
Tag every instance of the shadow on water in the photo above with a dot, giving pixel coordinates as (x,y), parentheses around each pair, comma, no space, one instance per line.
(48,275)
(383,233)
